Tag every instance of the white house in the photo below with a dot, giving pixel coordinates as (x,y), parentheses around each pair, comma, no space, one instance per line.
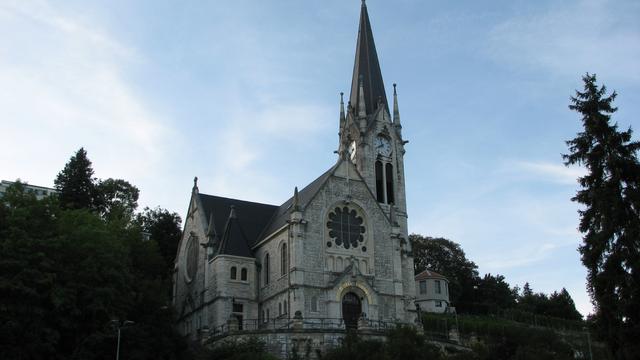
(432,292)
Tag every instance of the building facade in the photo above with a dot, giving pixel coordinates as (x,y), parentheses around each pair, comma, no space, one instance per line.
(432,292)
(337,251)
(40,192)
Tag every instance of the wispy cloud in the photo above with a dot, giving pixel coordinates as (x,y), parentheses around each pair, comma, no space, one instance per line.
(599,36)
(63,85)
(551,172)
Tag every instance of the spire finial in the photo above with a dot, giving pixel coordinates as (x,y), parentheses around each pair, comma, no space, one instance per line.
(396,109)
(364,4)
(296,199)
(195,184)
(362,108)
(341,104)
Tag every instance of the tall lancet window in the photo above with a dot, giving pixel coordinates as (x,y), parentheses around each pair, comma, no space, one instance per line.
(266,270)
(283,259)
(379,182)
(389,178)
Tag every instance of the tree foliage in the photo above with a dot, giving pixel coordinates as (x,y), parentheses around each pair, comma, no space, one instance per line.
(75,183)
(447,258)
(116,199)
(610,217)
(66,272)
(164,229)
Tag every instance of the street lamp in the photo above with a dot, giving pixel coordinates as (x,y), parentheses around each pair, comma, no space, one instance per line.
(586,329)
(119,324)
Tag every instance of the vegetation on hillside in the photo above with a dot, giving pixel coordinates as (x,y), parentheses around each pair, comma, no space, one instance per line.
(72,264)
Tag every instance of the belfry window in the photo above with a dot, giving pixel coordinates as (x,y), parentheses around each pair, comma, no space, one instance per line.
(389,179)
(234,271)
(379,182)
(243,274)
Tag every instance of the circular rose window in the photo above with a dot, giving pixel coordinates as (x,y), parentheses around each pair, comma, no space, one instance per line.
(346,227)
(192,258)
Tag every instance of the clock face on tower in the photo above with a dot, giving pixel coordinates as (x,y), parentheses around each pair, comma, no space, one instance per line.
(383,146)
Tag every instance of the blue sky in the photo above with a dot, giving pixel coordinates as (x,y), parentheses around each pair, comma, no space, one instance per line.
(244,94)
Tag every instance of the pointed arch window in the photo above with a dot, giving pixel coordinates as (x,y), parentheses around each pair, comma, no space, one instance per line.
(266,269)
(283,259)
(389,180)
(379,182)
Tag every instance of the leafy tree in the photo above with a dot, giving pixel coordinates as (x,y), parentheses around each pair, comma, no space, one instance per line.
(494,293)
(75,183)
(610,218)
(446,257)
(66,273)
(165,229)
(116,199)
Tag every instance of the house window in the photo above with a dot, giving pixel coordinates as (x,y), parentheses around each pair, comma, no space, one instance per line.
(266,271)
(243,274)
(237,308)
(284,307)
(438,287)
(283,259)
(279,309)
(423,287)
(438,303)
(234,272)
(314,304)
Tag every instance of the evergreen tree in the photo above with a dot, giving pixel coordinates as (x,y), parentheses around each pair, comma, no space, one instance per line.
(75,183)
(610,218)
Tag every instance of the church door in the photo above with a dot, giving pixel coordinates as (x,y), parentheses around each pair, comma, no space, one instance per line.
(351,310)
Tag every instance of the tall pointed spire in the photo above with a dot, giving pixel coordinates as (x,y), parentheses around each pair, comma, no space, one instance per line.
(396,109)
(367,68)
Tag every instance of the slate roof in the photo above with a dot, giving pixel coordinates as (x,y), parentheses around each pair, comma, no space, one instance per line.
(367,67)
(251,219)
(234,242)
(428,274)
(304,196)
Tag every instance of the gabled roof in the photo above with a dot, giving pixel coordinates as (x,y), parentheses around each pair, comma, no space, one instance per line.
(251,219)
(367,68)
(428,274)
(305,195)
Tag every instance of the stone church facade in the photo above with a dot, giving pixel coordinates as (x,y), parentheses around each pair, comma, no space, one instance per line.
(336,252)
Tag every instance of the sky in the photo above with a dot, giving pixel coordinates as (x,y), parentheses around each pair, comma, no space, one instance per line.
(244,94)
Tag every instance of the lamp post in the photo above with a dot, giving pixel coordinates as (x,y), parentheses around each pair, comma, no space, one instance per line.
(586,329)
(119,324)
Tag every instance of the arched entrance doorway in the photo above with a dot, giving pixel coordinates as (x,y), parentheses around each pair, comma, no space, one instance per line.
(351,310)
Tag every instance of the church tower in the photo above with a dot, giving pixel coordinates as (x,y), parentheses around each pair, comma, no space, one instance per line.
(370,136)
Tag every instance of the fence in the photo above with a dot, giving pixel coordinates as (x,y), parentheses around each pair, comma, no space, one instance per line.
(290,324)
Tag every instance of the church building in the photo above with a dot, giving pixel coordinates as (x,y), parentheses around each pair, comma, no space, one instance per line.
(336,252)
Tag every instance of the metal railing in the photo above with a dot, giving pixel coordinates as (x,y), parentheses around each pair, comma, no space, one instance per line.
(290,324)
